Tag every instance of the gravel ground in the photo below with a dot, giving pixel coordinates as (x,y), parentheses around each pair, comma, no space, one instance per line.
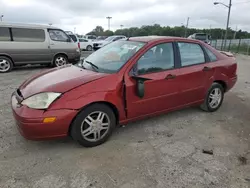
(161,152)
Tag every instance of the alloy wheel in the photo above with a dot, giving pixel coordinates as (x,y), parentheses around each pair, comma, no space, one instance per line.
(95,126)
(60,61)
(4,65)
(89,48)
(215,98)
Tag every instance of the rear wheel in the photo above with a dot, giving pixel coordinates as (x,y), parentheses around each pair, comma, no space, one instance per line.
(89,48)
(214,98)
(60,60)
(94,125)
(6,64)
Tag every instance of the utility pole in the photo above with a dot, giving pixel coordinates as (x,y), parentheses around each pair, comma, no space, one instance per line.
(109,17)
(121,26)
(228,17)
(1,17)
(186,27)
(235,31)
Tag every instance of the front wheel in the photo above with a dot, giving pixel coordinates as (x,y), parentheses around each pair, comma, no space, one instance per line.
(60,60)
(94,125)
(214,98)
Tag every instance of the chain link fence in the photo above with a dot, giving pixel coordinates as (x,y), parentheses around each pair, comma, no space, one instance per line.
(241,46)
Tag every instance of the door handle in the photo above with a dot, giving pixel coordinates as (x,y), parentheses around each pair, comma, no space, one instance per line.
(170,76)
(207,69)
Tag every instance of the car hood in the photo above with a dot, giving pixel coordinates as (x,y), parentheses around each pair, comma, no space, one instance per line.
(61,79)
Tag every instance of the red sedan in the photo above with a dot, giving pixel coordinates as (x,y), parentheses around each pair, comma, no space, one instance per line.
(124,81)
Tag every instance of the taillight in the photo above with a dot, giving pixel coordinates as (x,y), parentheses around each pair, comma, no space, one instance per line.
(79,46)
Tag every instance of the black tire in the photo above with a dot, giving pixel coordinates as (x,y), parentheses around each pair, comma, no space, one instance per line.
(6,64)
(64,59)
(206,105)
(76,126)
(89,48)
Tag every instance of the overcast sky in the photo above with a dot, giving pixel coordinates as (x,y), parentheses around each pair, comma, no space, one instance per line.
(84,15)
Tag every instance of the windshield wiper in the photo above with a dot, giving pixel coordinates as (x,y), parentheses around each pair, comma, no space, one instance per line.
(92,65)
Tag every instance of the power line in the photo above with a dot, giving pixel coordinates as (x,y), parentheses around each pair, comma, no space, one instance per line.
(241,2)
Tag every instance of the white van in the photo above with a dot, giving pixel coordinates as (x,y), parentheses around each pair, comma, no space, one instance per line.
(22,44)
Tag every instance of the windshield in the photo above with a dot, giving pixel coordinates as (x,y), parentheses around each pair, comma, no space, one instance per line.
(201,36)
(110,58)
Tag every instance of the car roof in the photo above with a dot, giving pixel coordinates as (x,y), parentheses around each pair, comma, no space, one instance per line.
(21,25)
(117,36)
(158,38)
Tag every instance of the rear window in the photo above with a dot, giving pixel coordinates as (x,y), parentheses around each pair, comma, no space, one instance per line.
(28,35)
(201,36)
(210,54)
(191,54)
(73,38)
(4,34)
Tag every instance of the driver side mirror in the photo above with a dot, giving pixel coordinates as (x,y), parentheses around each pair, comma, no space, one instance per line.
(140,86)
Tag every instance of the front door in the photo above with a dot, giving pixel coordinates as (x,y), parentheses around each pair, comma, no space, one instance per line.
(61,43)
(161,88)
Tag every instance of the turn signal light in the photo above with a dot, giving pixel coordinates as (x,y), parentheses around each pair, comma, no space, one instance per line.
(49,120)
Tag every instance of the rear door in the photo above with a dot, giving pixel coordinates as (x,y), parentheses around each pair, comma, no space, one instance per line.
(161,88)
(195,72)
(84,43)
(29,46)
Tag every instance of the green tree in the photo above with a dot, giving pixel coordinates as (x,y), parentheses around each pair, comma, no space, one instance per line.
(108,33)
(179,31)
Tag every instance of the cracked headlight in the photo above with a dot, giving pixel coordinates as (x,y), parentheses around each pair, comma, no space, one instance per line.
(41,100)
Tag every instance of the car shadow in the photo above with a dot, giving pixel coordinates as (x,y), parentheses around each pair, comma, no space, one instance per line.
(127,132)
(30,67)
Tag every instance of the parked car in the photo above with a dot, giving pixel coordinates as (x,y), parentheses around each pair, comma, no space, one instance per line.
(86,45)
(101,38)
(124,81)
(34,44)
(98,44)
(201,36)
(90,37)
(75,40)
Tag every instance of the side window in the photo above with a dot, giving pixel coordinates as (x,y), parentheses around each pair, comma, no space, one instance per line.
(83,40)
(73,37)
(191,54)
(210,54)
(58,35)
(156,59)
(92,37)
(4,34)
(28,35)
